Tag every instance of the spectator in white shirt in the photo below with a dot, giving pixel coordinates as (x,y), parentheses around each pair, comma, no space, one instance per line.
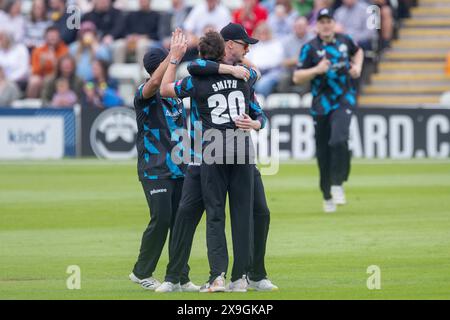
(36,25)
(292,45)
(352,17)
(206,14)
(282,19)
(267,55)
(14,59)
(12,20)
(9,91)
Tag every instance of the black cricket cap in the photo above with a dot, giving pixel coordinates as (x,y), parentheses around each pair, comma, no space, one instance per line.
(235,31)
(325,13)
(153,59)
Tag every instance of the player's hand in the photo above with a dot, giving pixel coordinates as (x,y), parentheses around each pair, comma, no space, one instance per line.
(246,123)
(355,72)
(240,72)
(323,66)
(178,45)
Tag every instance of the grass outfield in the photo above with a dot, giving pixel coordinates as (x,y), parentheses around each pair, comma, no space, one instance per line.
(92,213)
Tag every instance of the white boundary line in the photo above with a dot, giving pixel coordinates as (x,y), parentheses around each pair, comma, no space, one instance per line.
(99,162)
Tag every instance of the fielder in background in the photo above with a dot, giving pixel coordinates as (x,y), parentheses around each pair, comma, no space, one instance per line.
(162,180)
(330,62)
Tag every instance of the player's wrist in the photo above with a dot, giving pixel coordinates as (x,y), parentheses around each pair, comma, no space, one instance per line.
(225,69)
(256,124)
(175,61)
(316,71)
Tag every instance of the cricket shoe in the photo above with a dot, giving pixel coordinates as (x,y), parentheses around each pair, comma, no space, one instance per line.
(239,285)
(168,287)
(329,206)
(190,287)
(263,285)
(338,194)
(218,285)
(147,283)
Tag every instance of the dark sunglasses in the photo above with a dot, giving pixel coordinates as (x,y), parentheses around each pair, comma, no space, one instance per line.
(245,45)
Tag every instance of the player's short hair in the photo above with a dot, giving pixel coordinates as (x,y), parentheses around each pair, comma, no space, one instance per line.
(212,46)
(51,28)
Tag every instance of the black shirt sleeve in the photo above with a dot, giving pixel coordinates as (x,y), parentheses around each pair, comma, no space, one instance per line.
(305,60)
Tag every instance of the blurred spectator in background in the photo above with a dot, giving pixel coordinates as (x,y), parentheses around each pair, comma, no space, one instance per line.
(14,59)
(87,5)
(269,5)
(84,5)
(249,15)
(109,21)
(173,19)
(9,91)
(36,25)
(281,20)
(205,15)
(267,55)
(404,7)
(44,60)
(66,69)
(352,17)
(141,29)
(387,23)
(86,49)
(292,45)
(102,91)
(12,20)
(59,16)
(64,97)
(303,7)
(318,5)
(178,13)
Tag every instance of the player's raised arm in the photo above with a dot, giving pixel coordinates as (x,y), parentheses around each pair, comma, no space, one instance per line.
(357,63)
(201,67)
(151,86)
(250,65)
(178,48)
(303,76)
(255,120)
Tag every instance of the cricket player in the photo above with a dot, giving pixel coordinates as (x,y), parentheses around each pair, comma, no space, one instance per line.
(330,62)
(162,180)
(191,207)
(221,99)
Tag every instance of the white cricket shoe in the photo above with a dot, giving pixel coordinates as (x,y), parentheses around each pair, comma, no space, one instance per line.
(239,285)
(263,285)
(147,283)
(329,206)
(190,287)
(218,285)
(168,287)
(338,194)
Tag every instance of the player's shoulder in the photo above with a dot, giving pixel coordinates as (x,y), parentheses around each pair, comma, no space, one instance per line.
(343,37)
(253,71)
(314,42)
(139,99)
(310,47)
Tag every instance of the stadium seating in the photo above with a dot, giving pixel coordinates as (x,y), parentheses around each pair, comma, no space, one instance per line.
(129,76)
(283,100)
(27,104)
(445,99)
(261,100)
(307,99)
(126,72)
(412,73)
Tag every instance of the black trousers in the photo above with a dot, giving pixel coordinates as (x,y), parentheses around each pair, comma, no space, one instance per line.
(189,214)
(333,155)
(163,197)
(237,181)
